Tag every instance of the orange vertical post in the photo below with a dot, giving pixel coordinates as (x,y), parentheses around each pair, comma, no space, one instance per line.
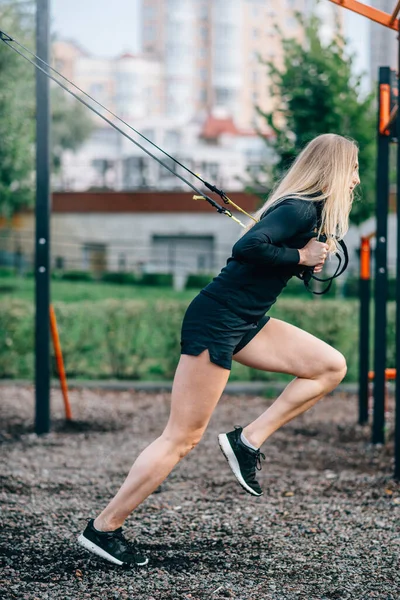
(384,115)
(364,335)
(60,363)
(365,258)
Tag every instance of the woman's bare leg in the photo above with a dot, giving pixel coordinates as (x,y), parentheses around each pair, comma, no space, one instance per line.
(197,387)
(283,348)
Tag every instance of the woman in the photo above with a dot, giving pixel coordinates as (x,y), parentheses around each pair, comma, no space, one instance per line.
(227,320)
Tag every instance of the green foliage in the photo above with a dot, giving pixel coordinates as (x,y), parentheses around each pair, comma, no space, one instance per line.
(75,275)
(318,93)
(94,291)
(352,285)
(140,339)
(120,278)
(198,280)
(6,272)
(157,279)
(71,124)
(17,109)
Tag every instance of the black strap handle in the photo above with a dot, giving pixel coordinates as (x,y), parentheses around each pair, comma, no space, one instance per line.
(308,274)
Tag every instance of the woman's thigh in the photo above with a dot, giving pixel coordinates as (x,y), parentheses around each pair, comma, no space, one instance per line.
(283,348)
(197,387)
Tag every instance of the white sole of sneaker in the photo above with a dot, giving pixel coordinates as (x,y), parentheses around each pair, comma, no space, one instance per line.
(233,463)
(100,552)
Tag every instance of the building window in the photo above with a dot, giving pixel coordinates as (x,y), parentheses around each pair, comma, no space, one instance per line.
(122,262)
(136,172)
(204,33)
(59,263)
(149,12)
(202,95)
(172,138)
(96,89)
(149,33)
(254,56)
(222,95)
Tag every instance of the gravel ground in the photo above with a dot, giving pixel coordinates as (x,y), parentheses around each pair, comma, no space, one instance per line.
(327,526)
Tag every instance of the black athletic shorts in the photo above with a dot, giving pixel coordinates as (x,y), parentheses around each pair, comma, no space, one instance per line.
(209,324)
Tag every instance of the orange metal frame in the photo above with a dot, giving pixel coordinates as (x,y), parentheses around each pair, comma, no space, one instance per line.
(390,374)
(374,14)
(60,363)
(365,258)
(384,117)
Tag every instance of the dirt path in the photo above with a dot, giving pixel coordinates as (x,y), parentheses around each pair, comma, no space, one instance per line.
(326,527)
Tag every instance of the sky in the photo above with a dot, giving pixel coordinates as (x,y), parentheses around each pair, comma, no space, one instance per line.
(107,28)
(102,27)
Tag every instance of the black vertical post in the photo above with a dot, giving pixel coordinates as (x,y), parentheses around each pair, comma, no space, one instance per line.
(364,348)
(382,197)
(397,400)
(42,236)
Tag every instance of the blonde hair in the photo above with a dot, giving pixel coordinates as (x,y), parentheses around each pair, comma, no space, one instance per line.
(323,169)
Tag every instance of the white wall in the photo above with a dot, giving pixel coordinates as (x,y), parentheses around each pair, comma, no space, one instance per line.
(132,234)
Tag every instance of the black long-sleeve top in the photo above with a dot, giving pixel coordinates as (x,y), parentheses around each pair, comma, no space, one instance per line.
(265,258)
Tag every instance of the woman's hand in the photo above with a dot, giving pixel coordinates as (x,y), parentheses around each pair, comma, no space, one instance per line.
(318,268)
(314,254)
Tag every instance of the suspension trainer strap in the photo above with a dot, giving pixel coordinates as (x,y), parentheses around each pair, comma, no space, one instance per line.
(308,275)
(4,37)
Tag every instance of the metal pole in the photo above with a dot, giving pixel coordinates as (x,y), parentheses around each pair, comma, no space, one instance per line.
(365,301)
(381,284)
(395,13)
(397,408)
(42,236)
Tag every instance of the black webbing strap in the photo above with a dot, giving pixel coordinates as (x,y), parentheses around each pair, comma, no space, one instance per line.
(308,274)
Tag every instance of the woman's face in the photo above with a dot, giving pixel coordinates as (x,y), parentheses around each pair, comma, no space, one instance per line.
(355,179)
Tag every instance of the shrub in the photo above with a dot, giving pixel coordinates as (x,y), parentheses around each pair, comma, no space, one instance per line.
(158,279)
(77,276)
(129,339)
(198,280)
(6,272)
(120,278)
(352,285)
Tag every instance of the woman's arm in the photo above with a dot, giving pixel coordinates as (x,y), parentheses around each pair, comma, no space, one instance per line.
(258,245)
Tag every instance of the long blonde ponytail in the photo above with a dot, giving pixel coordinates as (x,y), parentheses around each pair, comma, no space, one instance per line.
(323,170)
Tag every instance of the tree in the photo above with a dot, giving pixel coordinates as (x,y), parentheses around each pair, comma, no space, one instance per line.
(70,122)
(318,93)
(16,111)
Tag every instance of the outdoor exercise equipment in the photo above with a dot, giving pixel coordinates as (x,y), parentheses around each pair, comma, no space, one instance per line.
(44,72)
(389,124)
(388,131)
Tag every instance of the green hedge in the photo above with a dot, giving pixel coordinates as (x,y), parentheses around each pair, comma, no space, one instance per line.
(351,288)
(140,340)
(6,272)
(120,278)
(73,275)
(198,280)
(161,279)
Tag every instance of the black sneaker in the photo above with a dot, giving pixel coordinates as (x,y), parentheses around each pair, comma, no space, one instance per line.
(111,545)
(242,460)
